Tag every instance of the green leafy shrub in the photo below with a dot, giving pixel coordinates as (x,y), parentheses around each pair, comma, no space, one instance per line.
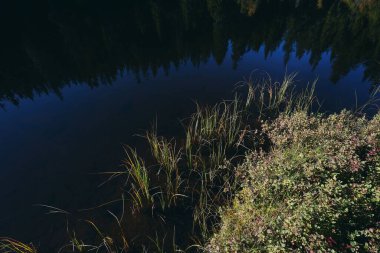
(316,190)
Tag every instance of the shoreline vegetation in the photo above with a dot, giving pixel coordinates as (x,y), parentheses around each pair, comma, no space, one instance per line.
(263,172)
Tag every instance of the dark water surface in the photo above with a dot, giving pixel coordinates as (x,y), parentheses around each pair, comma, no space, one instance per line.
(79,78)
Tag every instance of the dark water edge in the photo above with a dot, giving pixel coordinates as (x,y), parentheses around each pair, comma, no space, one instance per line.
(80,79)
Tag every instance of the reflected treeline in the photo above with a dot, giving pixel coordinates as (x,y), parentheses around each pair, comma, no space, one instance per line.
(48,44)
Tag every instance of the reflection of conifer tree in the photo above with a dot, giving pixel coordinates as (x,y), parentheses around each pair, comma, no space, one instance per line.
(215,8)
(184,6)
(220,43)
(91,42)
(155,12)
(248,7)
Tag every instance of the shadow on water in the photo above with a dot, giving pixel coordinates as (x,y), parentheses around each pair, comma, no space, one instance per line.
(50,47)
(49,44)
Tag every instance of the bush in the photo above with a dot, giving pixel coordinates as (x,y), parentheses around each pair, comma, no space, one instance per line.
(316,190)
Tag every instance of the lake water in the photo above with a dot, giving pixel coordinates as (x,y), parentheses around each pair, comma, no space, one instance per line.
(78,79)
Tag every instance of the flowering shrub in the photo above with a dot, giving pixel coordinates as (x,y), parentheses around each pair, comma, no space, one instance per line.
(316,190)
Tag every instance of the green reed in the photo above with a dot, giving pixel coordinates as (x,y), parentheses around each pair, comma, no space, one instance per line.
(167,155)
(9,245)
(267,98)
(200,168)
(139,177)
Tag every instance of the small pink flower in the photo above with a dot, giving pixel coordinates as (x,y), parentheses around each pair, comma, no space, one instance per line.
(374,151)
(330,241)
(355,165)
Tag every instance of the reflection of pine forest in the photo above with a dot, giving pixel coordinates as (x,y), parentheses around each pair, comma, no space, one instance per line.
(87,41)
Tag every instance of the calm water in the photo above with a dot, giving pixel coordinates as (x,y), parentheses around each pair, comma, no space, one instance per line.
(80,78)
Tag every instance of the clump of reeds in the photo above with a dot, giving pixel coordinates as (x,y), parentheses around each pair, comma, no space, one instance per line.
(200,167)
(268,98)
(222,121)
(139,177)
(214,136)
(102,242)
(167,156)
(9,245)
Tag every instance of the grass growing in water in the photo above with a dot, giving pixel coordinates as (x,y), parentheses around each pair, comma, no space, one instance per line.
(225,159)
(167,156)
(222,121)
(9,245)
(268,98)
(138,174)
